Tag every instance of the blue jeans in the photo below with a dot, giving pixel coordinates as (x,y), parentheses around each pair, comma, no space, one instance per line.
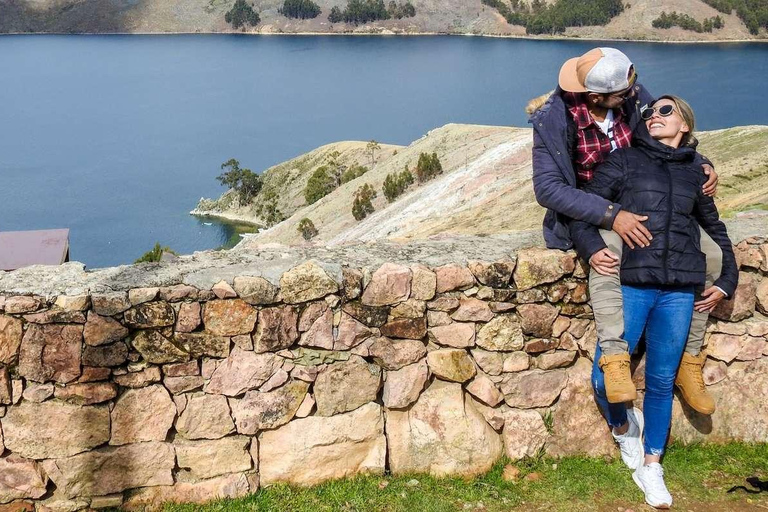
(665,315)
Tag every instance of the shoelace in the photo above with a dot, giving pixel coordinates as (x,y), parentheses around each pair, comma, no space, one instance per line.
(616,370)
(697,378)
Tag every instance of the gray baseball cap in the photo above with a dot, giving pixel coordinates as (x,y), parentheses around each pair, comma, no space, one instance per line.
(602,70)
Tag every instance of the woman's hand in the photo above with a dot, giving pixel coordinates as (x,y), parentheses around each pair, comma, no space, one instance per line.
(710,187)
(605,262)
(711,297)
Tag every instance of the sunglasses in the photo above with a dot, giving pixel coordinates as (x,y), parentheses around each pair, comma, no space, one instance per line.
(664,111)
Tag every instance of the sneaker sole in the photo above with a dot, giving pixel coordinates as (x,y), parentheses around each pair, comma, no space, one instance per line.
(627,397)
(662,506)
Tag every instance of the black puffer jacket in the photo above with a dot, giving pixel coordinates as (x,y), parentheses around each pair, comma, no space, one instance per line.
(663,183)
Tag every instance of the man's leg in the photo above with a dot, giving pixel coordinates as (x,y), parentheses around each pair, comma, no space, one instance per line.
(689,379)
(607,304)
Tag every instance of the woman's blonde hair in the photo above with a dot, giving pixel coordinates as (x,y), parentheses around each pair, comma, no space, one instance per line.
(686,113)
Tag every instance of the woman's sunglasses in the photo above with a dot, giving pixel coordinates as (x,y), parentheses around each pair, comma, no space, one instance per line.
(664,111)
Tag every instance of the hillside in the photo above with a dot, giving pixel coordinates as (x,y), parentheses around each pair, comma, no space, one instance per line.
(432,16)
(485,188)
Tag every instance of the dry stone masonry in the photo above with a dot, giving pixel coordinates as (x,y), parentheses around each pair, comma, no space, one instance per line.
(217,374)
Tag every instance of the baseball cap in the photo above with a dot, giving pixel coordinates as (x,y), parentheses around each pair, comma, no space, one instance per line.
(602,70)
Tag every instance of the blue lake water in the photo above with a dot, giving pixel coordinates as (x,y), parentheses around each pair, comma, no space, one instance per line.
(117,137)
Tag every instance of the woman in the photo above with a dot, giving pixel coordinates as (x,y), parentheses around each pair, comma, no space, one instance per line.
(657,177)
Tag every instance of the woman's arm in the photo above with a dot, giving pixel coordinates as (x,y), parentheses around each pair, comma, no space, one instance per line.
(706,214)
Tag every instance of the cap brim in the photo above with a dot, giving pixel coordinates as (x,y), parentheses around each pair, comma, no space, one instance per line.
(569,79)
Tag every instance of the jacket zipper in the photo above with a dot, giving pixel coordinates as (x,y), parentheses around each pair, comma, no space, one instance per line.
(669,222)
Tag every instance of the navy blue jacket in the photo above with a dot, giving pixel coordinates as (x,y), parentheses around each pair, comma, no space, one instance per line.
(665,184)
(554,178)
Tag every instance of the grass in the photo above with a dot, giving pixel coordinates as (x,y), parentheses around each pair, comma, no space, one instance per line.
(699,477)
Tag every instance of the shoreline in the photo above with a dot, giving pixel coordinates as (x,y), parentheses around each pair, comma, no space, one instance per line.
(231,217)
(389,33)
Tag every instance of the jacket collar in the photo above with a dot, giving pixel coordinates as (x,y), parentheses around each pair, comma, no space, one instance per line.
(643,140)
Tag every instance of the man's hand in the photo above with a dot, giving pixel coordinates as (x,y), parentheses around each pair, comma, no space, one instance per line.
(630,228)
(711,297)
(605,262)
(710,187)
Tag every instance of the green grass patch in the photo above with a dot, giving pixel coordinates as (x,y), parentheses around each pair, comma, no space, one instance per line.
(696,475)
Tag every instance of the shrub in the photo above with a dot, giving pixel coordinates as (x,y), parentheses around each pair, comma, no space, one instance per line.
(268,209)
(353,172)
(360,11)
(399,11)
(428,167)
(362,205)
(302,9)
(319,185)
(241,15)
(396,183)
(307,229)
(155,254)
(245,182)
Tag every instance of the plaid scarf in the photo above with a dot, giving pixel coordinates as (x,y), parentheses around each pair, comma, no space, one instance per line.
(592,145)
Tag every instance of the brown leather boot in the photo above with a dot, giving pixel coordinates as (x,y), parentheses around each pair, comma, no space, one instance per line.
(691,384)
(618,380)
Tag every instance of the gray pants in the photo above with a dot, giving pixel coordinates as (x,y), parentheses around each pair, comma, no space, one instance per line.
(608,305)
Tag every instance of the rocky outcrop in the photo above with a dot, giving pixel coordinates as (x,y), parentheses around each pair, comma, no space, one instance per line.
(172,392)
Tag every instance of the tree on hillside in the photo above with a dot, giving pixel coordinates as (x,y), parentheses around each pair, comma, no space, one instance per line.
(319,185)
(362,206)
(353,172)
(155,254)
(396,183)
(244,181)
(307,229)
(372,147)
(301,9)
(428,167)
(242,14)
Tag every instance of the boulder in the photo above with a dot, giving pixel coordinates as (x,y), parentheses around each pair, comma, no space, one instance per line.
(441,434)
(496,274)
(22,304)
(390,284)
(423,282)
(256,290)
(533,388)
(319,333)
(51,353)
(114,354)
(276,329)
(223,487)
(490,362)
(140,379)
(241,371)
(372,316)
(456,335)
(408,328)
(724,347)
(267,410)
(54,429)
(110,304)
(538,266)
(144,414)
(484,390)
(207,459)
(402,387)
(229,317)
(451,364)
(113,469)
(346,385)
(189,317)
(395,354)
(312,450)
(223,290)
(306,282)
(577,425)
(199,344)
(140,295)
(10,339)
(87,394)
(351,333)
(453,277)
(20,479)
(73,302)
(556,359)
(742,304)
(150,315)
(205,417)
(102,330)
(537,319)
(524,433)
(472,310)
(503,333)
(157,349)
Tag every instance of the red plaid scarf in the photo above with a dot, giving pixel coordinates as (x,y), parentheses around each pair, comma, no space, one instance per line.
(592,145)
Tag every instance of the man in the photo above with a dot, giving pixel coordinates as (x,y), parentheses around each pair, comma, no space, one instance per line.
(592,112)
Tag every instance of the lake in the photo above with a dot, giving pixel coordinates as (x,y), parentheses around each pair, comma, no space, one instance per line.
(117,137)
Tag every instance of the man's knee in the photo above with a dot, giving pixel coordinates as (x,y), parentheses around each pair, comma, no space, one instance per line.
(714,255)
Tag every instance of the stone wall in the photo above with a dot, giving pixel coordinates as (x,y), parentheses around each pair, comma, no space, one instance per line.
(220,377)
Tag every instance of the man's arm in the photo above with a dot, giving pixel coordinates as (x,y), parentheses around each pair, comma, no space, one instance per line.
(554,192)
(710,186)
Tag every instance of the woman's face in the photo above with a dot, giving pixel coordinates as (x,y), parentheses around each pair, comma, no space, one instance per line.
(669,128)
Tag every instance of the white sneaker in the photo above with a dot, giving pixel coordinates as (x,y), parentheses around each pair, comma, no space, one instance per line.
(650,480)
(631,442)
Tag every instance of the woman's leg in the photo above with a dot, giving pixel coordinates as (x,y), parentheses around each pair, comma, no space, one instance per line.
(665,340)
(637,306)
